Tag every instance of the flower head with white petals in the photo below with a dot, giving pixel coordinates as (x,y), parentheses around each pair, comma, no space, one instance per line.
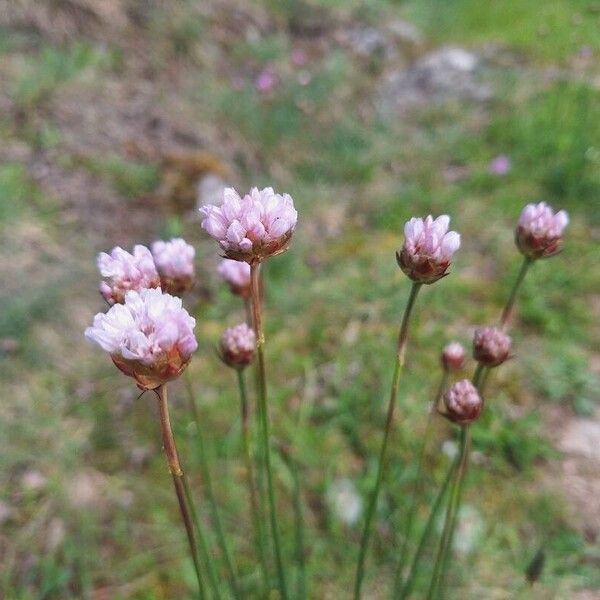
(428,248)
(238,345)
(174,261)
(237,275)
(539,231)
(253,227)
(123,272)
(150,337)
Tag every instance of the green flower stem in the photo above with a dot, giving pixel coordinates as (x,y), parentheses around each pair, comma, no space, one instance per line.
(259,532)
(264,418)
(451,512)
(301,581)
(417,487)
(506,313)
(402,337)
(210,495)
(427,531)
(172,456)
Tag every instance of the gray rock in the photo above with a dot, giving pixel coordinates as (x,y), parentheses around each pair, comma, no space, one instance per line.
(447,74)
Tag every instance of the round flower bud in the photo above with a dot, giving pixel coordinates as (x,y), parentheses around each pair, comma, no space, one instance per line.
(238,345)
(463,403)
(124,272)
(174,262)
(491,346)
(453,356)
(251,228)
(237,275)
(150,337)
(428,248)
(539,231)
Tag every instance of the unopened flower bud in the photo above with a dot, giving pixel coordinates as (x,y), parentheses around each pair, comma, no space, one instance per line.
(174,262)
(463,403)
(453,356)
(150,337)
(238,345)
(237,275)
(491,346)
(428,248)
(253,227)
(539,231)
(124,272)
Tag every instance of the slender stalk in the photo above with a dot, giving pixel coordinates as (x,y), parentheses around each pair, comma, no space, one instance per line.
(402,338)
(301,581)
(210,495)
(256,518)
(264,418)
(176,471)
(506,313)
(428,529)
(417,487)
(452,511)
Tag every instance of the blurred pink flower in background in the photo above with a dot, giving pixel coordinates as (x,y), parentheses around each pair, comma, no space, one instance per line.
(252,227)
(237,275)
(428,248)
(298,57)
(265,81)
(501,165)
(453,356)
(539,231)
(491,346)
(238,345)
(463,402)
(150,337)
(174,262)
(124,272)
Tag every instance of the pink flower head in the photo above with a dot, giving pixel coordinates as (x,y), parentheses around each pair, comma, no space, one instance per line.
(174,261)
(265,81)
(463,403)
(428,248)
(124,272)
(238,345)
(491,346)
(539,231)
(501,165)
(453,356)
(150,337)
(253,227)
(237,275)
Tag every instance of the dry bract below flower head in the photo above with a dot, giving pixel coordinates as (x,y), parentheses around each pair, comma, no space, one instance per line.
(491,346)
(253,227)
(453,356)
(539,231)
(237,275)
(174,262)
(124,272)
(150,337)
(463,403)
(238,345)
(428,248)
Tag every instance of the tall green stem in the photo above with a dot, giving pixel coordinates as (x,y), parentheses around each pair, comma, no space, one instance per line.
(437,504)
(400,356)
(179,482)
(264,418)
(210,495)
(452,511)
(256,519)
(416,489)
(506,313)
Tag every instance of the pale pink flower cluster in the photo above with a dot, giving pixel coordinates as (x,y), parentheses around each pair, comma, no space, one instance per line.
(453,356)
(252,227)
(174,261)
(237,275)
(124,272)
(150,336)
(463,402)
(238,345)
(428,248)
(491,346)
(539,231)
